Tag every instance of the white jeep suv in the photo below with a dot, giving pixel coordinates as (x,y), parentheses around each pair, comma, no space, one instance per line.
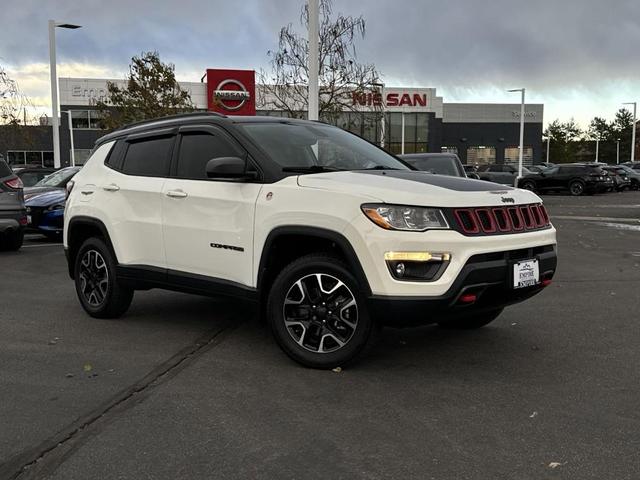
(328,234)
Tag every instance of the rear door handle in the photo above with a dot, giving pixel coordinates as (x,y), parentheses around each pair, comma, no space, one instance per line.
(176,194)
(112,187)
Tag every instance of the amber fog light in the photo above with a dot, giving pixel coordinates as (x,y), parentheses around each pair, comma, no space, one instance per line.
(416,266)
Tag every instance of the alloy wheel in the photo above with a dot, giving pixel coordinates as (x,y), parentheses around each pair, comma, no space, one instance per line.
(94,278)
(576,188)
(320,313)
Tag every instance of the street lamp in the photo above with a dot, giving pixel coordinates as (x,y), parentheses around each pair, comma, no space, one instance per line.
(633,132)
(382,119)
(548,142)
(313,89)
(521,133)
(73,153)
(54,87)
(597,147)
(617,151)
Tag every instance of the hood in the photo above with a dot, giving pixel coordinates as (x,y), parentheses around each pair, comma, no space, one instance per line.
(418,188)
(44,196)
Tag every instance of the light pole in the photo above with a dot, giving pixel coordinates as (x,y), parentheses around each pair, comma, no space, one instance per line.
(520,153)
(73,153)
(548,142)
(55,120)
(633,131)
(312,6)
(384,111)
(617,151)
(597,148)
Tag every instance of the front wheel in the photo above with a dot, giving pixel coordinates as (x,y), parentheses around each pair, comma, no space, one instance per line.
(317,314)
(576,188)
(529,185)
(97,287)
(472,321)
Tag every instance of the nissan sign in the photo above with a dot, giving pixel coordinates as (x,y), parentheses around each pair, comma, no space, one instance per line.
(231,92)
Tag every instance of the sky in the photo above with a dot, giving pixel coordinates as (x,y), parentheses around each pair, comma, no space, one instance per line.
(581,58)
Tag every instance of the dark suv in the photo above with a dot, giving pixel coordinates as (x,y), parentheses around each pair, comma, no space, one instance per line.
(577,178)
(13,216)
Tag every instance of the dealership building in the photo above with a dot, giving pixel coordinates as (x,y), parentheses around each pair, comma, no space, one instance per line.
(416,120)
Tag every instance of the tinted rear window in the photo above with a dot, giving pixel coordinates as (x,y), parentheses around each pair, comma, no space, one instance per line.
(149,157)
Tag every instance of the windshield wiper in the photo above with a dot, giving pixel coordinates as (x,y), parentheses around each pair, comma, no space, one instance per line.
(311,169)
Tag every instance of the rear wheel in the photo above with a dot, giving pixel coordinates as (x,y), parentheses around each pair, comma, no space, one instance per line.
(473,321)
(98,290)
(317,314)
(576,188)
(13,240)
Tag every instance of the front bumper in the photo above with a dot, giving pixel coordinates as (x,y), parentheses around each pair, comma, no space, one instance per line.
(485,275)
(46,221)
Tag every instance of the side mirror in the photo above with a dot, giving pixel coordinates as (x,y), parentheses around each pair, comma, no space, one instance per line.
(475,176)
(228,168)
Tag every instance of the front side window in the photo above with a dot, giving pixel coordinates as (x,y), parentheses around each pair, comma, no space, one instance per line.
(197,148)
(148,157)
(308,146)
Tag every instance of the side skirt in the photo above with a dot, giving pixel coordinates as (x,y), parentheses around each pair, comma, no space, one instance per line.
(143,277)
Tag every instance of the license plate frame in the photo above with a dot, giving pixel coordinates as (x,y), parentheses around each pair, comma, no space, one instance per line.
(525,273)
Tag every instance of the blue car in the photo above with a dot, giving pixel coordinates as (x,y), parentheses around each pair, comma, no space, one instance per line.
(45,203)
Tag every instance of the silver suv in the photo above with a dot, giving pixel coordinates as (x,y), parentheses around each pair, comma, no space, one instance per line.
(13,217)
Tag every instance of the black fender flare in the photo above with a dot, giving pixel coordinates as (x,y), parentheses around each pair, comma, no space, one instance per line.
(340,240)
(79,221)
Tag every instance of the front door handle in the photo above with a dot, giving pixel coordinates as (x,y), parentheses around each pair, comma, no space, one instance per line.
(112,187)
(176,194)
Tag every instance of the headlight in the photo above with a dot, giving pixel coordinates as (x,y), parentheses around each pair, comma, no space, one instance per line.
(402,217)
(59,206)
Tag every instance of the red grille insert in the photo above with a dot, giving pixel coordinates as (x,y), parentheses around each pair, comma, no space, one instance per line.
(496,220)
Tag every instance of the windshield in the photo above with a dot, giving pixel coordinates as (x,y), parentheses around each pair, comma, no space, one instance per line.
(317,147)
(57,179)
(439,165)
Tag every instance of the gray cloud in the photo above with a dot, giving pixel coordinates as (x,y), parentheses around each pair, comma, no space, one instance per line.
(549,46)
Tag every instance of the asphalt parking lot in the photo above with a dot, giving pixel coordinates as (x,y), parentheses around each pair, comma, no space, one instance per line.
(190,387)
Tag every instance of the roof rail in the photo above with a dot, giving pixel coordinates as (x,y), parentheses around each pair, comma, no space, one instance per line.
(170,117)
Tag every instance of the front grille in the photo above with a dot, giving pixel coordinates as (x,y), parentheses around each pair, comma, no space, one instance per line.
(500,220)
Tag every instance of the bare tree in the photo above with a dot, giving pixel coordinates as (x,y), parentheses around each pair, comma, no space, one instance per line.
(342,79)
(13,103)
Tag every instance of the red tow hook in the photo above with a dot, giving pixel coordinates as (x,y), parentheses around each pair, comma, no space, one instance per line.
(546,282)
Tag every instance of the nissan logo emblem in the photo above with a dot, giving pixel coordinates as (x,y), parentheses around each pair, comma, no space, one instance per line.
(221,95)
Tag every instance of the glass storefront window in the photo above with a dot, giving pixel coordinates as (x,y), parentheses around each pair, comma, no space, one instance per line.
(449,150)
(394,128)
(511,155)
(80,119)
(95,119)
(422,128)
(480,155)
(15,158)
(410,122)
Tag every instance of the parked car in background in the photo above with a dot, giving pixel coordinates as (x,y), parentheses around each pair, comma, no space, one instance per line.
(12,211)
(620,177)
(471,169)
(45,203)
(500,173)
(633,165)
(32,175)
(537,168)
(576,178)
(438,163)
(634,176)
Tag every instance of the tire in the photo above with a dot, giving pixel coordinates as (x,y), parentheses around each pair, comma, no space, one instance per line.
(97,287)
(300,316)
(472,321)
(529,185)
(576,188)
(13,240)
